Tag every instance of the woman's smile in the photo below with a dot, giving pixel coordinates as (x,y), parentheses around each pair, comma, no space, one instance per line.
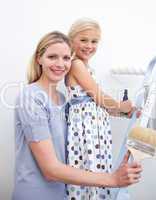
(58,71)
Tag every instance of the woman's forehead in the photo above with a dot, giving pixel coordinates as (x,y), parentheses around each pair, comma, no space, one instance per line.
(59,47)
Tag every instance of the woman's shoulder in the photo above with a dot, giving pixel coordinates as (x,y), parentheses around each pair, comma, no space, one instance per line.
(29,89)
(31,92)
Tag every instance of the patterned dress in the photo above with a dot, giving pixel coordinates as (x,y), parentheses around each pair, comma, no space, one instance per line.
(89,144)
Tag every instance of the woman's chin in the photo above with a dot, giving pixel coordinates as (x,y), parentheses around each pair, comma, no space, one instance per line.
(56,79)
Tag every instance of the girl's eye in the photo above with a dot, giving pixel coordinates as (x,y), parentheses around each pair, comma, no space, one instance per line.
(94,41)
(83,40)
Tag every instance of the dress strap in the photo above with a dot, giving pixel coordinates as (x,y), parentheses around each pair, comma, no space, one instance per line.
(76,101)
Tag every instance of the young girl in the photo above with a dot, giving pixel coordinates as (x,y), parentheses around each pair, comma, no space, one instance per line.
(40,131)
(89,135)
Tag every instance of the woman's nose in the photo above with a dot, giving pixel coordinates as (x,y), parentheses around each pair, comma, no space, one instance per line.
(60,63)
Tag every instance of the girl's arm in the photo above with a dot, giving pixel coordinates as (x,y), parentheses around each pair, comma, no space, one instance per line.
(53,170)
(83,78)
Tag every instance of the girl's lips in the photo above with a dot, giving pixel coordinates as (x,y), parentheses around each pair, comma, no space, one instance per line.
(87,52)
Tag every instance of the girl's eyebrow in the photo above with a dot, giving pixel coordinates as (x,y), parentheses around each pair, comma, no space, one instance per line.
(83,36)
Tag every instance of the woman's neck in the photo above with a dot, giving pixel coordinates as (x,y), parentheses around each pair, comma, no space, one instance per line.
(50,89)
(47,84)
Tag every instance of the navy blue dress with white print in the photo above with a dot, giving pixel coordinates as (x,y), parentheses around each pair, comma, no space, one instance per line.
(89,143)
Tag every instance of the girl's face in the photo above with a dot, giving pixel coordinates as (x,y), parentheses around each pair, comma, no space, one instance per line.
(55,62)
(85,44)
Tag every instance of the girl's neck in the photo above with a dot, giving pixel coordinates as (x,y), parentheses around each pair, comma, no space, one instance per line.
(85,62)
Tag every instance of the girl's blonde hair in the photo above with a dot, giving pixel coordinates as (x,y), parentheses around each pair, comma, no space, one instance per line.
(82,25)
(35,70)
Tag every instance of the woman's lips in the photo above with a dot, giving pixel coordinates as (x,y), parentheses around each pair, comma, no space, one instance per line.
(58,71)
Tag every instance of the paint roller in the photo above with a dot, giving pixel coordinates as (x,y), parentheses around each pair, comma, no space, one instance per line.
(141,143)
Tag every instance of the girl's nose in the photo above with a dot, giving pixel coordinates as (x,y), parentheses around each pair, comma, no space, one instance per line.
(89,45)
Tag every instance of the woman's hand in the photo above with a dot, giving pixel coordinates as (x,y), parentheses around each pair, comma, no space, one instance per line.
(127,174)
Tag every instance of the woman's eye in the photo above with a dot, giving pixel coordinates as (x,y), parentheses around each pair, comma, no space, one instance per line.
(52,56)
(67,58)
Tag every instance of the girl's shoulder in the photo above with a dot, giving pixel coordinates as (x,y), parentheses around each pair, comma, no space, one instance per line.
(77,65)
(76,61)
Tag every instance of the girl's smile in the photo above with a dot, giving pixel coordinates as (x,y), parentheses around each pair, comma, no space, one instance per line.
(85,44)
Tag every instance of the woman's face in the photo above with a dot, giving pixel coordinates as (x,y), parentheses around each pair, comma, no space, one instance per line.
(85,44)
(55,62)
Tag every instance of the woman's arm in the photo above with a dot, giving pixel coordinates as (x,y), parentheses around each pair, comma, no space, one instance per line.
(83,78)
(53,170)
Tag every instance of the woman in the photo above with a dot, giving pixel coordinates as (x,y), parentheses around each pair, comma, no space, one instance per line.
(40,132)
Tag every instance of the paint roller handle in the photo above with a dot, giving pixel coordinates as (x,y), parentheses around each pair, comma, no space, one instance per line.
(125,96)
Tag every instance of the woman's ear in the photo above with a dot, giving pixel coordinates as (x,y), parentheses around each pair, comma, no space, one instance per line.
(38,60)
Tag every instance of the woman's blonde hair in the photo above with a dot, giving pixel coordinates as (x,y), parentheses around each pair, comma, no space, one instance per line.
(82,25)
(35,70)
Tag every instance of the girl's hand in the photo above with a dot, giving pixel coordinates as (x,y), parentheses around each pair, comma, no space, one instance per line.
(125,106)
(127,174)
(134,109)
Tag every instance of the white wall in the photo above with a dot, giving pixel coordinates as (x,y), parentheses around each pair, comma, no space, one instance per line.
(129,30)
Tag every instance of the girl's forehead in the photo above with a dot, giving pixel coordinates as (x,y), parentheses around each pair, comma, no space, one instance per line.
(89,33)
